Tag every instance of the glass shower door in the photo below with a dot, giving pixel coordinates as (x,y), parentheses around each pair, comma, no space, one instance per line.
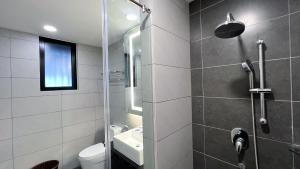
(123,62)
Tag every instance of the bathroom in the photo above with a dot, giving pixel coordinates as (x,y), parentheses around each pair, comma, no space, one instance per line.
(150,84)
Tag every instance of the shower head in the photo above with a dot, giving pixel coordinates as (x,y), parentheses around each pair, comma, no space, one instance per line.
(247,66)
(230,28)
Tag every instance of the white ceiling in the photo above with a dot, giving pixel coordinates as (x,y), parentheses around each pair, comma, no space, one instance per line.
(77,21)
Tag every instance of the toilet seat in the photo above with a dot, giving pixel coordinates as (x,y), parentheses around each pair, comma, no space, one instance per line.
(94,153)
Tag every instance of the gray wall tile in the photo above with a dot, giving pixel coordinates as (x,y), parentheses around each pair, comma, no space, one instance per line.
(5,67)
(5,111)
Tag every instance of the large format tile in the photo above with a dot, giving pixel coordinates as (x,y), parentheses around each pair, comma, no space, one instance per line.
(218,144)
(198,160)
(195,27)
(24,49)
(6,164)
(24,36)
(249,12)
(25,68)
(35,105)
(78,131)
(295,34)
(89,56)
(169,49)
(32,124)
(5,111)
(194,6)
(5,129)
(78,101)
(196,58)
(5,67)
(174,148)
(32,87)
(37,142)
(228,81)
(5,88)
(5,150)
(209,3)
(198,138)
(164,14)
(274,155)
(278,81)
(297,161)
(178,78)
(89,72)
(214,164)
(179,110)
(228,113)
(294,5)
(296,78)
(275,34)
(296,118)
(196,77)
(4,47)
(197,110)
(279,121)
(70,117)
(30,160)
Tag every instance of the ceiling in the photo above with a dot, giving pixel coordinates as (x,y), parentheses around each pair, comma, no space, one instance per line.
(76,21)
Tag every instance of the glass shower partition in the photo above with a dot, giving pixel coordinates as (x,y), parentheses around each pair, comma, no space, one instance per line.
(124,44)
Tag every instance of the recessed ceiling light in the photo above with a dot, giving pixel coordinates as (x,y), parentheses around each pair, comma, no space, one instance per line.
(50,28)
(131,17)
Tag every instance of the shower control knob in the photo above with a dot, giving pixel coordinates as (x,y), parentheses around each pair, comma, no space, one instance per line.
(240,140)
(263,121)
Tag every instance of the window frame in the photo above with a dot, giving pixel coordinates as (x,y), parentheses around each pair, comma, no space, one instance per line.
(42,41)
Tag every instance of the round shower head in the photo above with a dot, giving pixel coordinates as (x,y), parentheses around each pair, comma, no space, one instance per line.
(230,28)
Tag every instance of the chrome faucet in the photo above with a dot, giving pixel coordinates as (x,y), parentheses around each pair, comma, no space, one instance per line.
(239,138)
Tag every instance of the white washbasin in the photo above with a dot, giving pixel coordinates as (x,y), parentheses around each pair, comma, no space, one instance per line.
(130,144)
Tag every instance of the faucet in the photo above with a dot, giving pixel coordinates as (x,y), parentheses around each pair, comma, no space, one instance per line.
(239,138)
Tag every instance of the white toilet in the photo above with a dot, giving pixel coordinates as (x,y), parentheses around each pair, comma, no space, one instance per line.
(93,157)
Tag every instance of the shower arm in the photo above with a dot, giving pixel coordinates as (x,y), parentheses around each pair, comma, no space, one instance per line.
(144,7)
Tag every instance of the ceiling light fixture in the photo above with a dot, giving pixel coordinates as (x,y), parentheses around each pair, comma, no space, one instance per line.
(131,17)
(50,28)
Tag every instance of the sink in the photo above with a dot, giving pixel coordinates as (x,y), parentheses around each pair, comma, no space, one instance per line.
(130,144)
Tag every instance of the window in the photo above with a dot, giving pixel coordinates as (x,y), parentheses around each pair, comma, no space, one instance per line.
(57,65)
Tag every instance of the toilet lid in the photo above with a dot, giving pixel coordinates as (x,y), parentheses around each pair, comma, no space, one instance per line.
(93,151)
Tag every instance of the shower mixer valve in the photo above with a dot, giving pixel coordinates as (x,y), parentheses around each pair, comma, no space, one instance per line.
(240,140)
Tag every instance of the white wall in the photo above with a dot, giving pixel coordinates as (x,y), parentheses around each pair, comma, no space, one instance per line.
(167,86)
(42,125)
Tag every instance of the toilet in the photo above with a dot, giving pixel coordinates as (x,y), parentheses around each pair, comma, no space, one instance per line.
(93,157)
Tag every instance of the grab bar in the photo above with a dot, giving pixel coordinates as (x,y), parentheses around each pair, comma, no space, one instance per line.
(144,7)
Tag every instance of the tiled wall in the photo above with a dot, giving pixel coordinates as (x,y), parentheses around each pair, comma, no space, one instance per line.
(37,126)
(167,85)
(221,99)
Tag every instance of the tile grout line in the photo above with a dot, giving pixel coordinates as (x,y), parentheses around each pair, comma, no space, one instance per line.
(291,81)
(207,155)
(226,130)
(11,102)
(202,83)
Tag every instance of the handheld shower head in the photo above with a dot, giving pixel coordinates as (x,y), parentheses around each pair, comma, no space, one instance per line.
(247,66)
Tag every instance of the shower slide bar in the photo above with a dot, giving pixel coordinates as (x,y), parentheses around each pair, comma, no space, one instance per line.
(144,7)
(262,90)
